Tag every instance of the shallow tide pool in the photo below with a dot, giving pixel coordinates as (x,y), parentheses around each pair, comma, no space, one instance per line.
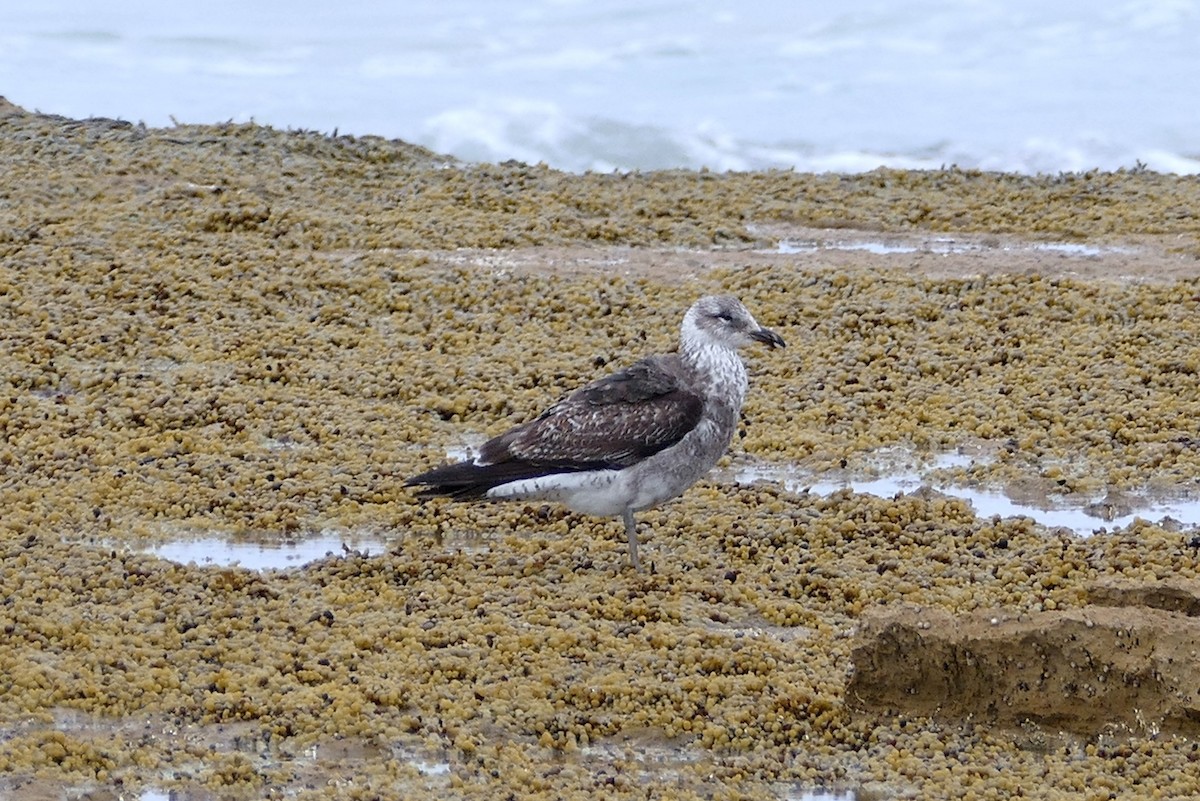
(1081,518)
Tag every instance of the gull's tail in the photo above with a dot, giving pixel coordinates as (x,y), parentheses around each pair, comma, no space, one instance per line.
(470,481)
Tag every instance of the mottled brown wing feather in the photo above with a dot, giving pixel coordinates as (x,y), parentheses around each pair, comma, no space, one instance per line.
(614,422)
(652,377)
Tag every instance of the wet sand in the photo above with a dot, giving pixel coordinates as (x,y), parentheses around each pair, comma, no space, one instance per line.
(257,335)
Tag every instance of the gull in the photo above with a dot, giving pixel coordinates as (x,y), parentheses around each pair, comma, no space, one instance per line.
(626,442)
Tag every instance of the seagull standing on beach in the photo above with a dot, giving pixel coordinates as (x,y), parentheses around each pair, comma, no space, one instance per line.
(629,441)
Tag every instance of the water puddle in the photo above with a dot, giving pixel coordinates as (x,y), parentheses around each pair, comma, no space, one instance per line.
(212,550)
(819,795)
(215,551)
(940,245)
(1094,514)
(425,771)
(468,450)
(432,768)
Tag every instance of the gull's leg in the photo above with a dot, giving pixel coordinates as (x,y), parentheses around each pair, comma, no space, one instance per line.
(631,533)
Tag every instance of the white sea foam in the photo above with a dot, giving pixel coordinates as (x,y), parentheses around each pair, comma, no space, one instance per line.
(1016,85)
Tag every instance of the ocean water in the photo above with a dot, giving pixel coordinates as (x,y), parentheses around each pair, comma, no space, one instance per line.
(1018,85)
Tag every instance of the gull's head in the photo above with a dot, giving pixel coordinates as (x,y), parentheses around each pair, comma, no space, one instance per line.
(722,321)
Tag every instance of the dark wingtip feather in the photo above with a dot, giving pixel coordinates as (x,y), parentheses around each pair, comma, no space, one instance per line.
(466,481)
(458,493)
(461,480)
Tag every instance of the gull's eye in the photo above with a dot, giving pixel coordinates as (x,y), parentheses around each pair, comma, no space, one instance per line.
(724,317)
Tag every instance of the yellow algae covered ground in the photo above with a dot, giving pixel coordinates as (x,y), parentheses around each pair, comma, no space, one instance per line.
(249,334)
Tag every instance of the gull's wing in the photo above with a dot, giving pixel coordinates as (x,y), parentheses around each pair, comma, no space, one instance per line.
(611,423)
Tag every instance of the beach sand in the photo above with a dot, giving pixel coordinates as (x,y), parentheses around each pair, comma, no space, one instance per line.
(237,332)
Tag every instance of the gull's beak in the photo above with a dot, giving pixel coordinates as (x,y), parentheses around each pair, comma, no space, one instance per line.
(768,337)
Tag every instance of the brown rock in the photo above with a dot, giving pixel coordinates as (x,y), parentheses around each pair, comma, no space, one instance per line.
(1181,596)
(1086,671)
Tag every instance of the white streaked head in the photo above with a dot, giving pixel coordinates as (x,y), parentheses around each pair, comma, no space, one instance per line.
(722,321)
